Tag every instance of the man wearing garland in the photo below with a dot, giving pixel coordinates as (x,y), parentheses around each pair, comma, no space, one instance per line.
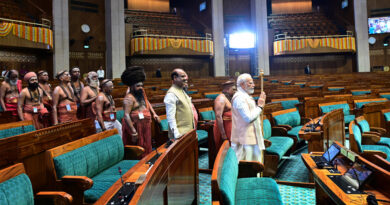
(30,103)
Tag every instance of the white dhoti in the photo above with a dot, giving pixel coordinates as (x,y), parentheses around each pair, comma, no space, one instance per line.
(109,126)
(248,152)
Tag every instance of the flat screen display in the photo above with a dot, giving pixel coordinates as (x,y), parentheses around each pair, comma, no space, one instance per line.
(379,25)
(242,40)
(357,175)
(331,153)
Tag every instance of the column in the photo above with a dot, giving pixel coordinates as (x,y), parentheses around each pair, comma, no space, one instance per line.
(115,38)
(259,19)
(218,37)
(361,33)
(61,35)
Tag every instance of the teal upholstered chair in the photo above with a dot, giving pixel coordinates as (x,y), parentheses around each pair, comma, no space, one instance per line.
(280,145)
(360,92)
(119,115)
(360,103)
(207,114)
(328,107)
(202,134)
(88,167)
(291,120)
(16,188)
(357,143)
(287,103)
(335,88)
(375,133)
(212,95)
(386,120)
(385,95)
(301,84)
(235,182)
(16,128)
(316,86)
(274,81)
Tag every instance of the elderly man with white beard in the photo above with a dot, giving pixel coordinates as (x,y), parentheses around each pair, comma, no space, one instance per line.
(247,138)
(89,94)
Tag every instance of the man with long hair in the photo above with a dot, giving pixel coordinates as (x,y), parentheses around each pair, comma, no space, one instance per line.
(9,92)
(138,111)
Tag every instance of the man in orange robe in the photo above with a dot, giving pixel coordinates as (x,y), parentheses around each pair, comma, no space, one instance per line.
(9,92)
(64,101)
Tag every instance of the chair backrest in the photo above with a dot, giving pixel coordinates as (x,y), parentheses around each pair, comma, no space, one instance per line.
(287,103)
(360,103)
(333,127)
(163,123)
(224,175)
(385,95)
(363,124)
(287,117)
(211,95)
(16,128)
(102,151)
(328,107)
(120,113)
(361,92)
(267,129)
(355,137)
(207,113)
(15,186)
(386,114)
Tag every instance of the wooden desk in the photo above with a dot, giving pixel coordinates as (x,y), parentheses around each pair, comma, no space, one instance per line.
(314,139)
(327,192)
(173,179)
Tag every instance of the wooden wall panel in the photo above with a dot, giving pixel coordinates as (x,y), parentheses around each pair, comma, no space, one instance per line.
(91,12)
(319,64)
(194,66)
(149,5)
(291,6)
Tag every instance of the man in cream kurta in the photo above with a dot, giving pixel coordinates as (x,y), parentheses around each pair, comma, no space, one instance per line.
(181,113)
(247,138)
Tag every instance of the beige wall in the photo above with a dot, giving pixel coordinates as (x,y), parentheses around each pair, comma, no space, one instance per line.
(149,5)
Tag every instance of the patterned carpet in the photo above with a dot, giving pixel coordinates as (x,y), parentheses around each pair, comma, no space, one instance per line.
(292,169)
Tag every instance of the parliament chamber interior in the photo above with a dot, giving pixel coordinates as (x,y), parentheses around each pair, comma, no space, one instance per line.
(194,102)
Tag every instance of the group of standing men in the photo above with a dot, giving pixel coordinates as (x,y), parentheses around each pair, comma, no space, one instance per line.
(237,114)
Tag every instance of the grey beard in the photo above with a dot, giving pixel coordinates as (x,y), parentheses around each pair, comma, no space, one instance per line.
(94,83)
(229,97)
(13,82)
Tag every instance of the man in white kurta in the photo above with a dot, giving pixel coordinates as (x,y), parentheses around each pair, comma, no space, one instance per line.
(247,138)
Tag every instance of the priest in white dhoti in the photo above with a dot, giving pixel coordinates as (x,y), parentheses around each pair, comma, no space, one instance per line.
(247,138)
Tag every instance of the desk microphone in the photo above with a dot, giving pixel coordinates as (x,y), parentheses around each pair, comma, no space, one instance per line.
(120,173)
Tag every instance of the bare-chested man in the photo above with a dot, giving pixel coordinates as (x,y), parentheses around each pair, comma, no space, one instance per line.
(30,104)
(138,112)
(43,80)
(89,94)
(64,103)
(105,107)
(77,86)
(9,92)
(223,114)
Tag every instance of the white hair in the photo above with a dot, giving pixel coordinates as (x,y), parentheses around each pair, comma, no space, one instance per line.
(242,78)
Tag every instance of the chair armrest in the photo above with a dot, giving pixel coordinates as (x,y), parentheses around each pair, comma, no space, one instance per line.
(133,152)
(372,153)
(380,130)
(53,197)
(81,183)
(288,127)
(370,138)
(279,131)
(249,168)
(267,143)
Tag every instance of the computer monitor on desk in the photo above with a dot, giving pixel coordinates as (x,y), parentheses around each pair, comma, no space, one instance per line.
(328,156)
(357,175)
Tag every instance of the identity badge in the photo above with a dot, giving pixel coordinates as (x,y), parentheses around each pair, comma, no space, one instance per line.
(35,110)
(141,115)
(68,108)
(112,116)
